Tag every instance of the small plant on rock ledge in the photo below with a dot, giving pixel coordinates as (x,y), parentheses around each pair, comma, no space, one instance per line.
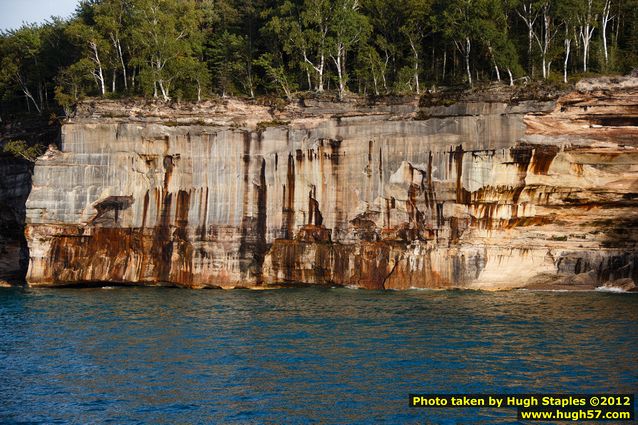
(20,149)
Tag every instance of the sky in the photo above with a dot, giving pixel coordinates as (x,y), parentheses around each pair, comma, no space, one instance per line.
(14,12)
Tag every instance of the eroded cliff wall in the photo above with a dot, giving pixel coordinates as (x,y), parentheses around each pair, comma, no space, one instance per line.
(477,194)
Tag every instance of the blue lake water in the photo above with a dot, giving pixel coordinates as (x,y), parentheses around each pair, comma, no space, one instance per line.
(300,356)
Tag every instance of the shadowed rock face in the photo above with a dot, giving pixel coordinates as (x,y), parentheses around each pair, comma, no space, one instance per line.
(15,183)
(477,195)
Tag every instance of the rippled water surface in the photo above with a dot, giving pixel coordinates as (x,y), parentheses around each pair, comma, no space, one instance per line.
(169,356)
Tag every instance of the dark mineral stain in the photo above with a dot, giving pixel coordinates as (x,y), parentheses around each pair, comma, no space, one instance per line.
(162,248)
(455,230)
(204,203)
(181,212)
(462,195)
(439,215)
(335,145)
(261,247)
(145,209)
(429,176)
(253,246)
(373,264)
(313,208)
(370,146)
(542,158)
(246,221)
(288,225)
(521,156)
(168,170)
(411,207)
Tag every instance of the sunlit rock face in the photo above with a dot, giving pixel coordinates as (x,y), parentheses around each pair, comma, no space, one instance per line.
(489,195)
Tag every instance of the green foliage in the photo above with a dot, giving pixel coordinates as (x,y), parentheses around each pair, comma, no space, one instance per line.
(263,125)
(20,149)
(192,49)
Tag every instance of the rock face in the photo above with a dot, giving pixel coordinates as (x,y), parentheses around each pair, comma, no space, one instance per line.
(15,184)
(488,195)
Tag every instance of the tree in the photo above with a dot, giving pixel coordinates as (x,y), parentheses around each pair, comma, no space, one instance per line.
(414,30)
(587,21)
(349,27)
(276,72)
(94,48)
(20,149)
(166,31)
(606,18)
(460,23)
(544,40)
(111,20)
(20,66)
(528,12)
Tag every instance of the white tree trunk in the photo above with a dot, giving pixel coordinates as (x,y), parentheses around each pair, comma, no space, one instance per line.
(164,90)
(416,66)
(119,50)
(27,93)
(385,69)
(568,45)
(444,63)
(498,73)
(586,33)
(509,72)
(99,74)
(468,47)
(605,21)
(545,40)
(318,69)
(529,17)
(338,61)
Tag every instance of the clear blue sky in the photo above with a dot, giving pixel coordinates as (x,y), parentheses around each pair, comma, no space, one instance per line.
(14,12)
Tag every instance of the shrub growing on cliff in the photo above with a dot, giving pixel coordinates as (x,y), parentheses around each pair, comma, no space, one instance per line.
(20,149)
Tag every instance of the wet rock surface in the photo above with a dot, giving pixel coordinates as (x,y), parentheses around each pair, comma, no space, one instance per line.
(486,195)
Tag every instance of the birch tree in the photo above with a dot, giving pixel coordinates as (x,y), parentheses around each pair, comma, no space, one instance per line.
(110,19)
(94,47)
(546,36)
(165,30)
(529,12)
(348,28)
(587,21)
(415,30)
(606,18)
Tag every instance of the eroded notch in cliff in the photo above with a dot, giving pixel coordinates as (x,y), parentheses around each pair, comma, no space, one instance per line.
(108,209)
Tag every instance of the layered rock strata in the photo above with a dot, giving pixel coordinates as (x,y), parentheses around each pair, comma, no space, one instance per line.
(487,195)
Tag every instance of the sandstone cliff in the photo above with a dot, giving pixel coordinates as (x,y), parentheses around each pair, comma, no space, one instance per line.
(486,194)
